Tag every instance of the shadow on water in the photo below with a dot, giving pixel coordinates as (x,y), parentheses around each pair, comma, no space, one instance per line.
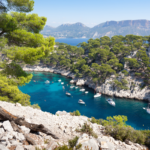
(51,97)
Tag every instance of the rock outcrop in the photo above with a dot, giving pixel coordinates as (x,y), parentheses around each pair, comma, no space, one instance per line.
(62,124)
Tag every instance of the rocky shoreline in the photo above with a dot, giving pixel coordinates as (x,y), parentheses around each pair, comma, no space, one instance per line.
(62,124)
(134,90)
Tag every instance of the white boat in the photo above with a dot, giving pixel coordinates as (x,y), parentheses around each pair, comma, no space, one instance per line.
(76,87)
(147,109)
(86,92)
(82,90)
(59,80)
(97,95)
(71,87)
(81,101)
(63,87)
(111,102)
(68,94)
(47,81)
(62,82)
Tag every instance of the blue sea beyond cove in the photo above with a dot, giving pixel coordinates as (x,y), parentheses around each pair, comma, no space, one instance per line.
(51,98)
(73,42)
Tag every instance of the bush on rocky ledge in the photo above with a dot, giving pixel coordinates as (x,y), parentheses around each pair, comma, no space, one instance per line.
(117,128)
(75,113)
(88,130)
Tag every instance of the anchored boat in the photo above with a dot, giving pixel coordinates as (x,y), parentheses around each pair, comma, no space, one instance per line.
(59,80)
(71,86)
(147,109)
(82,90)
(86,92)
(97,95)
(47,81)
(81,101)
(68,94)
(111,102)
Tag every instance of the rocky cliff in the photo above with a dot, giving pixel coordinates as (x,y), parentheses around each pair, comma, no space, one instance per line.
(134,89)
(62,124)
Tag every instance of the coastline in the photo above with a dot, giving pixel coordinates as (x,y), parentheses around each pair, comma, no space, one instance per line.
(106,88)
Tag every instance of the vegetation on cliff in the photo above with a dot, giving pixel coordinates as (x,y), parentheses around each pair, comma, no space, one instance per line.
(100,58)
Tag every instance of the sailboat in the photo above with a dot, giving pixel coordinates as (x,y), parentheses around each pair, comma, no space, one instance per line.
(147,109)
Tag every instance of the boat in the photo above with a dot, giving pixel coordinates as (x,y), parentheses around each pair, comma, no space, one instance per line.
(62,82)
(86,92)
(97,95)
(82,90)
(81,101)
(47,81)
(147,109)
(111,102)
(59,80)
(68,94)
(76,87)
(71,87)
(63,87)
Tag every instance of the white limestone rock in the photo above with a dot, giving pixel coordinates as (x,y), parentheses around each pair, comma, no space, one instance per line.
(19,147)
(1,131)
(7,126)
(25,129)
(87,141)
(80,82)
(2,147)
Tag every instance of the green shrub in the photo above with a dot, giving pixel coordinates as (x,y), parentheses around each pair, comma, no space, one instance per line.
(73,142)
(138,74)
(78,146)
(75,113)
(88,130)
(125,72)
(35,106)
(98,121)
(64,147)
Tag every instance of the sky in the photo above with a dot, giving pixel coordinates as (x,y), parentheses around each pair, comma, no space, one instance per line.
(91,12)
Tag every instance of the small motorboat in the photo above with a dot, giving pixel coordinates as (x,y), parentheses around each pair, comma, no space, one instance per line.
(97,95)
(59,80)
(71,86)
(82,90)
(47,81)
(68,94)
(147,109)
(81,101)
(62,82)
(63,87)
(76,87)
(111,102)
(34,81)
(86,92)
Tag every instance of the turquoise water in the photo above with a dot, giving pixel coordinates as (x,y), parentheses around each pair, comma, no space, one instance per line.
(51,98)
(73,42)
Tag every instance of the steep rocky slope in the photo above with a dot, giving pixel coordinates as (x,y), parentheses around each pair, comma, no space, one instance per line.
(62,124)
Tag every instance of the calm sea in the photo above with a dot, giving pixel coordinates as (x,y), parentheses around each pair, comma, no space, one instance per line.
(51,98)
(73,42)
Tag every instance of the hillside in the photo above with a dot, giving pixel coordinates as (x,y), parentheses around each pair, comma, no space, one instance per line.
(109,28)
(64,125)
(117,66)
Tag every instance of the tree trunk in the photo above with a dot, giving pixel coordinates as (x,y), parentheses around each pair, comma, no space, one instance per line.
(5,115)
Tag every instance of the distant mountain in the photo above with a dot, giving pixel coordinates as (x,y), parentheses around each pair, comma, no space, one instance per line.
(109,28)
